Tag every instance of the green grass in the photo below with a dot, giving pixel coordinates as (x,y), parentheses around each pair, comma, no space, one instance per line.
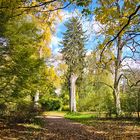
(80,116)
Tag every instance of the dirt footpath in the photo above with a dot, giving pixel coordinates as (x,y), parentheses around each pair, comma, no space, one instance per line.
(54,128)
(63,129)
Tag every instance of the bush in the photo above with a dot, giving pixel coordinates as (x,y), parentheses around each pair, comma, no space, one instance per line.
(99,102)
(25,111)
(51,104)
(129,103)
(65,108)
(3,108)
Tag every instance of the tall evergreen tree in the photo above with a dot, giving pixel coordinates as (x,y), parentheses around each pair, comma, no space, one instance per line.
(73,53)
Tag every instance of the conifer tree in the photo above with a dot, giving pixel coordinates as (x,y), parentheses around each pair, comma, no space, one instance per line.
(73,53)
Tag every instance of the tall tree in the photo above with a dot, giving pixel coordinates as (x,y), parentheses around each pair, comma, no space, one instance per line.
(73,53)
(24,42)
(115,16)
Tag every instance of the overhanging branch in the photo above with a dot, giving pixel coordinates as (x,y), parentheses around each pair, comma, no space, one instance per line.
(128,22)
(105,84)
(135,84)
(118,34)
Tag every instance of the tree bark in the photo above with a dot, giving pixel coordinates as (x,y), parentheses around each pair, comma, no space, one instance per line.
(138,103)
(116,91)
(36,99)
(73,79)
(117,102)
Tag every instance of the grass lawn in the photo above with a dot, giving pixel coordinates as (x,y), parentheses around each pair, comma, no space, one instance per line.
(111,128)
(80,116)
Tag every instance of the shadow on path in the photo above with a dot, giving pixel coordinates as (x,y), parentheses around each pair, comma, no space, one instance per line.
(63,129)
(54,128)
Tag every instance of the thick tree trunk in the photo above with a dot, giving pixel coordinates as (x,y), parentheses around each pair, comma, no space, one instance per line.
(117,102)
(73,79)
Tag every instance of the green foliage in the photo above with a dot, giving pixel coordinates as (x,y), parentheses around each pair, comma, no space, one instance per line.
(3,107)
(65,94)
(96,92)
(130,102)
(51,103)
(83,2)
(100,101)
(65,108)
(79,116)
(73,46)
(22,70)
(86,11)
(19,111)
(19,65)
(25,111)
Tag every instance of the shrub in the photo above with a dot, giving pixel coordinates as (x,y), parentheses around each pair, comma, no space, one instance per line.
(25,111)
(65,108)
(51,104)
(3,108)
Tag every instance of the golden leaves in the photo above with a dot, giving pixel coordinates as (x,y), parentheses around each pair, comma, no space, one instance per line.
(53,77)
(45,22)
(101,46)
(114,15)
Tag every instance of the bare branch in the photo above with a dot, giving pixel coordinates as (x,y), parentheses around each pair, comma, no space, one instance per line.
(135,84)
(120,78)
(128,82)
(33,6)
(105,84)
(59,8)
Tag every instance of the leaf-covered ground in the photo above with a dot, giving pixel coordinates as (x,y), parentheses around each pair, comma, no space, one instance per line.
(110,128)
(58,128)
(54,128)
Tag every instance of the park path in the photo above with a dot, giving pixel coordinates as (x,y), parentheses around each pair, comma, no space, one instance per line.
(59,128)
(53,128)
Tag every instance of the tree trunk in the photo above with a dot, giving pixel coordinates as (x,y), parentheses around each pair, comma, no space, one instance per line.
(116,91)
(117,102)
(73,79)
(36,99)
(37,94)
(138,104)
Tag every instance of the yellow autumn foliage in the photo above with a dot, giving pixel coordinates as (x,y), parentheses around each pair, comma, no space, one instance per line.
(114,16)
(45,22)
